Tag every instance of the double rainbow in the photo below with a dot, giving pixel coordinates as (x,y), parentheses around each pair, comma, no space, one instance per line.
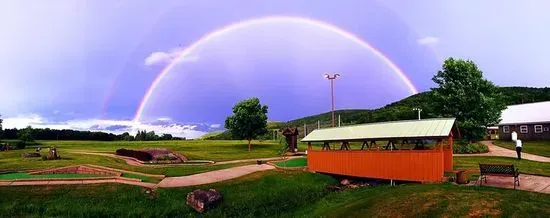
(260,21)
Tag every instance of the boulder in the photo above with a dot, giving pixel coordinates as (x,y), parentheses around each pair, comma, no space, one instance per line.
(200,200)
(345,182)
(52,154)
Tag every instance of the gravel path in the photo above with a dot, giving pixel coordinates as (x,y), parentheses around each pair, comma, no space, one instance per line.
(212,176)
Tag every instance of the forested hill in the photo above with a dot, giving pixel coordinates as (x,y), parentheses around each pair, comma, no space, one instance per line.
(402,110)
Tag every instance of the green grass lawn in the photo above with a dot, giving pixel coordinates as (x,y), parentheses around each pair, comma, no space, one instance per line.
(275,194)
(296,162)
(12,161)
(143,178)
(216,150)
(541,148)
(525,166)
(12,176)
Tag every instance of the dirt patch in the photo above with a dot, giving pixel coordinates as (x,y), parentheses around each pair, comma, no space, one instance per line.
(485,208)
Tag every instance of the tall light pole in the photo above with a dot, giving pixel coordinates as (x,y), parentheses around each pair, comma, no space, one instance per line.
(332,78)
(419,110)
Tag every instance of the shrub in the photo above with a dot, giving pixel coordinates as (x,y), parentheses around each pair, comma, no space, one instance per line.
(20,145)
(140,155)
(465,148)
(44,157)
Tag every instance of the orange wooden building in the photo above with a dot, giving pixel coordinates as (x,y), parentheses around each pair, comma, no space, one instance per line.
(412,150)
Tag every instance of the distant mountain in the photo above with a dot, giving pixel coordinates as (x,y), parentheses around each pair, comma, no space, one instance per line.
(402,110)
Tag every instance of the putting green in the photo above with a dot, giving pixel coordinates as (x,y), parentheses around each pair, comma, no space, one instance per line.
(296,162)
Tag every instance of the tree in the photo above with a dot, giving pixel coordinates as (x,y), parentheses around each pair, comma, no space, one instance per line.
(166,137)
(1,126)
(249,120)
(150,136)
(26,135)
(140,136)
(126,137)
(464,93)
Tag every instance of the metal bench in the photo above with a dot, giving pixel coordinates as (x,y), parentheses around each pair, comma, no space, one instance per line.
(505,170)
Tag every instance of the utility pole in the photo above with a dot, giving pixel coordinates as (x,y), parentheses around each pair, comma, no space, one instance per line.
(318,124)
(339,120)
(332,78)
(419,111)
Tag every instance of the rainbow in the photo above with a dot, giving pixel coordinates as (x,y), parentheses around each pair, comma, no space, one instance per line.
(265,20)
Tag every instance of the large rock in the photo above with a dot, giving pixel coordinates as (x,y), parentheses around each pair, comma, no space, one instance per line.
(52,154)
(201,200)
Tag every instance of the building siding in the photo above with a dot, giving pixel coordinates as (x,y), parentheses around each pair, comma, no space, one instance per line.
(530,135)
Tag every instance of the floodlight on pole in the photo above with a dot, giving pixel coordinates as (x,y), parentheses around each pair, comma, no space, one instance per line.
(419,111)
(332,78)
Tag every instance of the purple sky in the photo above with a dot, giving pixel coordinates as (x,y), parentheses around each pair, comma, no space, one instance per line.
(83,64)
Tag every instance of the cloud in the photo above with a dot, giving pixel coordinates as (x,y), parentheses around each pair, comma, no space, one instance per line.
(110,126)
(166,57)
(429,40)
(164,119)
(215,126)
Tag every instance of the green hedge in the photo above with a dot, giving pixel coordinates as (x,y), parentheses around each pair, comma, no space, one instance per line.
(471,148)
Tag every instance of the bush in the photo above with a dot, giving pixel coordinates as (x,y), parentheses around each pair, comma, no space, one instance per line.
(140,155)
(472,148)
(20,145)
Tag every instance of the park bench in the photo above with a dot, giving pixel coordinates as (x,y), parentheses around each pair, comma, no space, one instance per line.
(506,170)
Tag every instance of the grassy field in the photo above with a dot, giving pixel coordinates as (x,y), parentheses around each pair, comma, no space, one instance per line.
(12,161)
(194,150)
(524,166)
(541,148)
(216,150)
(275,194)
(296,162)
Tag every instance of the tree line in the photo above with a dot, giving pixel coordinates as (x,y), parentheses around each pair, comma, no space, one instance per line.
(31,134)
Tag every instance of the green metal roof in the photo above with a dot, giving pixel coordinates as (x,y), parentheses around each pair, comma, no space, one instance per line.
(427,128)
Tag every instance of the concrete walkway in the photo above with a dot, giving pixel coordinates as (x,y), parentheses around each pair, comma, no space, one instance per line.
(212,176)
(504,152)
(527,183)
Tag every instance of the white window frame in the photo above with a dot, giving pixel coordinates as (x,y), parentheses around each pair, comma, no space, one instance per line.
(521,128)
(540,129)
(506,129)
(546,129)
